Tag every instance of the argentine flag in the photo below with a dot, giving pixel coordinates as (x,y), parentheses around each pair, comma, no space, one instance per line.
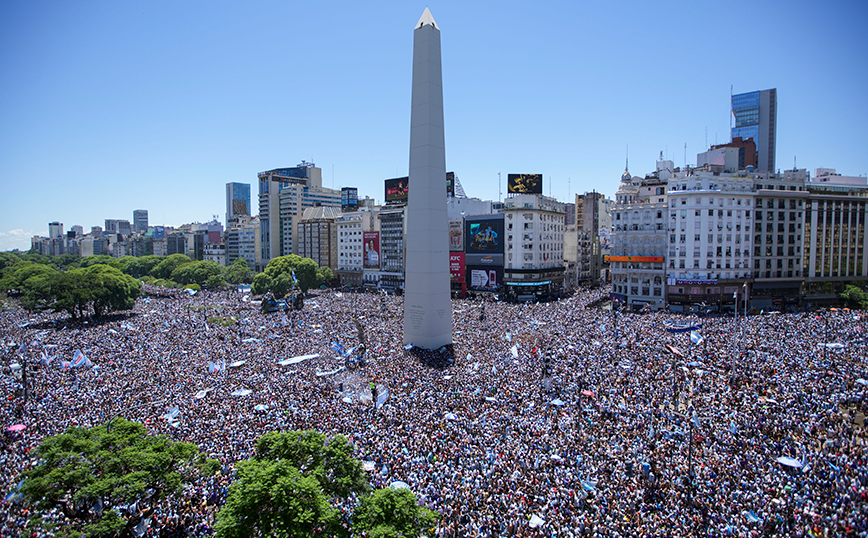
(79,359)
(695,337)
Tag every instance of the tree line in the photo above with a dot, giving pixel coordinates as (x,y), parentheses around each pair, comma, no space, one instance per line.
(95,285)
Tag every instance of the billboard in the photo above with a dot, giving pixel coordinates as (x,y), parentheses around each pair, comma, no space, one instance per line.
(524,183)
(372,249)
(484,278)
(456,266)
(456,235)
(396,190)
(450,183)
(484,235)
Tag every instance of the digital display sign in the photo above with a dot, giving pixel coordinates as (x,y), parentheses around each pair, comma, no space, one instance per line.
(396,190)
(484,235)
(450,183)
(524,183)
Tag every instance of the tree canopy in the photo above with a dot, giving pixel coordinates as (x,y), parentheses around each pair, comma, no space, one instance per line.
(286,488)
(168,264)
(96,289)
(197,272)
(92,474)
(290,488)
(390,513)
(277,276)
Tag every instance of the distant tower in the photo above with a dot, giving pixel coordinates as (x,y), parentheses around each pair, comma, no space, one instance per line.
(140,220)
(427,305)
(756,116)
(237,202)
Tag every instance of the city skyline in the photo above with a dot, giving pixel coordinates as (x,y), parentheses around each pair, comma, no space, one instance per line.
(118,107)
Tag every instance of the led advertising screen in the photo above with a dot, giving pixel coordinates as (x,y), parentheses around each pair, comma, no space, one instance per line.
(456,235)
(372,249)
(524,183)
(450,183)
(484,278)
(396,190)
(484,235)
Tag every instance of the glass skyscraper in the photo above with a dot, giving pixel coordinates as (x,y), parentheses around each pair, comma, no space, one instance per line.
(756,115)
(237,201)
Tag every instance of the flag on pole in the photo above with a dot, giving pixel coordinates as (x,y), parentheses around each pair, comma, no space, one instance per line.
(295,280)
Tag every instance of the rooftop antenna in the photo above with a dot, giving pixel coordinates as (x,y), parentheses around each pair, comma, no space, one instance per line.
(794,163)
(730,110)
(685,155)
(627,160)
(499,189)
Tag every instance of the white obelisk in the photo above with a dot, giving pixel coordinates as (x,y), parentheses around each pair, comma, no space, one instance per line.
(427,306)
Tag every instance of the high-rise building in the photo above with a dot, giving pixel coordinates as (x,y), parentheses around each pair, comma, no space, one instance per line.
(284,193)
(756,116)
(427,296)
(317,235)
(237,201)
(120,226)
(55,229)
(140,220)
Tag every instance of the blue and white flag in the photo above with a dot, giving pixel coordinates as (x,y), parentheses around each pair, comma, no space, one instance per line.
(22,349)
(732,428)
(695,337)
(214,368)
(79,360)
(339,349)
(295,280)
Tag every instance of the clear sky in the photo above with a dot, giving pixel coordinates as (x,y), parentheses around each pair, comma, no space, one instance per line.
(111,106)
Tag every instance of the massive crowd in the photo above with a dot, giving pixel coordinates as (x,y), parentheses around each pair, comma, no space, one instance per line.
(606,448)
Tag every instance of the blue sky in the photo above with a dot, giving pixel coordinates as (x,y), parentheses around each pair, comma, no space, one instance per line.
(107,107)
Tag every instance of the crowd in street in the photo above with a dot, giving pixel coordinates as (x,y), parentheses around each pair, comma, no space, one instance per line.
(622,437)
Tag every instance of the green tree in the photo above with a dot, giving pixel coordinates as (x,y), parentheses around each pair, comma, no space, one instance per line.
(390,513)
(108,466)
(324,276)
(855,297)
(197,272)
(273,498)
(261,284)
(216,282)
(165,268)
(110,289)
(66,261)
(8,259)
(239,272)
(305,270)
(281,285)
(99,259)
(33,280)
(142,266)
(286,488)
